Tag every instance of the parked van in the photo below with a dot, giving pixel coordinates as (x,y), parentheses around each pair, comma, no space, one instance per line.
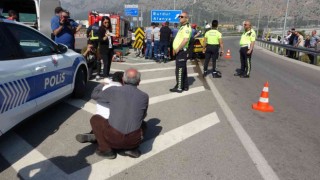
(34,13)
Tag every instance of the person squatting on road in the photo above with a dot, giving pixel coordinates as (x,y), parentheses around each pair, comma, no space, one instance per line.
(246,47)
(212,43)
(128,107)
(102,108)
(180,49)
(91,55)
(105,45)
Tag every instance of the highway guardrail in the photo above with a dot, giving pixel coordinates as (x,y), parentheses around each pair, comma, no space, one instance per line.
(282,48)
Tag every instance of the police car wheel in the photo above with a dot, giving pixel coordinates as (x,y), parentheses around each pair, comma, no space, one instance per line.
(80,84)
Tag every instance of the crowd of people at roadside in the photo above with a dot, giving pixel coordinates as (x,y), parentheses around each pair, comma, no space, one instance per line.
(158,41)
(296,39)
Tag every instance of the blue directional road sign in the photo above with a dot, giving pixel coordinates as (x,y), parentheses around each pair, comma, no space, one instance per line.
(165,15)
(131,11)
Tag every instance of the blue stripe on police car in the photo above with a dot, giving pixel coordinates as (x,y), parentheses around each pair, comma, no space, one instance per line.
(13,94)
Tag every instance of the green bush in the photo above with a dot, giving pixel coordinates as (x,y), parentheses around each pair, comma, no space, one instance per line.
(305,58)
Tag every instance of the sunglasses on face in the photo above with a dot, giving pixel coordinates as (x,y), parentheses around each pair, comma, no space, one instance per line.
(181,16)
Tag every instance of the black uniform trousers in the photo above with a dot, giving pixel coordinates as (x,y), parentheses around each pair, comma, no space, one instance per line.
(245,60)
(181,70)
(212,52)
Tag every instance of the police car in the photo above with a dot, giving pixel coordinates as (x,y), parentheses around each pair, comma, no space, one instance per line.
(35,72)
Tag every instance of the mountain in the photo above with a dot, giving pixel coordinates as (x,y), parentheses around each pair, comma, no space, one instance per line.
(272,12)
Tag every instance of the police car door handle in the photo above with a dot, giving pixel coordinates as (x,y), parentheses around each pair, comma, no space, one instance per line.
(40,68)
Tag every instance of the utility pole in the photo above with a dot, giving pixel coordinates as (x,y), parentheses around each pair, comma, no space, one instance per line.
(192,11)
(259,20)
(285,22)
(141,15)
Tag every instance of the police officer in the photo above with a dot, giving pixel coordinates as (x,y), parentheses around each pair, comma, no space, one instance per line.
(212,43)
(174,31)
(92,32)
(246,46)
(180,49)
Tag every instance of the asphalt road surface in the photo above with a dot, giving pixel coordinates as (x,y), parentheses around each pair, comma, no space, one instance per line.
(208,132)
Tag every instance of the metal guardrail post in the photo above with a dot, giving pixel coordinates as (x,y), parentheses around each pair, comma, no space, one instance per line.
(315,59)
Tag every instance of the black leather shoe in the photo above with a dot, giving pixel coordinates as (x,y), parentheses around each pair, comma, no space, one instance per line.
(88,137)
(238,74)
(245,76)
(176,90)
(107,154)
(205,73)
(216,75)
(134,153)
(186,89)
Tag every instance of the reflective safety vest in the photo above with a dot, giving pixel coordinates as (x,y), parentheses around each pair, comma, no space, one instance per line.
(184,32)
(247,37)
(92,36)
(94,32)
(213,36)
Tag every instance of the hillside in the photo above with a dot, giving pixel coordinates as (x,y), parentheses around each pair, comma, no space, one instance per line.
(301,12)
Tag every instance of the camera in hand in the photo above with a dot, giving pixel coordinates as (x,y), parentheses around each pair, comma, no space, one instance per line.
(65,20)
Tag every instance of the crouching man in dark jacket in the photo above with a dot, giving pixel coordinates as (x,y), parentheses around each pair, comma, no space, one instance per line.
(128,108)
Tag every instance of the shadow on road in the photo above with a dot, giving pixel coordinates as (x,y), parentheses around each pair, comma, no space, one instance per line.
(45,170)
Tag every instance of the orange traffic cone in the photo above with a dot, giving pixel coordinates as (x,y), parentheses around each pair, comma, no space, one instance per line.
(263,103)
(228,54)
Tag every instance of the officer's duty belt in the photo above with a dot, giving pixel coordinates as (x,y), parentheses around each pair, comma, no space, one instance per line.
(215,45)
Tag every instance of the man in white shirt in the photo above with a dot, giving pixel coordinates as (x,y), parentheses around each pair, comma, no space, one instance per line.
(156,41)
(102,108)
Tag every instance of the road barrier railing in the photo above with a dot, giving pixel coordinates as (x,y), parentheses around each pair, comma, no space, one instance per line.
(281,49)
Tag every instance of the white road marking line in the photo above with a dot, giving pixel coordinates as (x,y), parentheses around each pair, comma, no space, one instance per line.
(34,165)
(170,96)
(256,156)
(148,81)
(85,105)
(155,69)
(108,168)
(91,107)
(137,64)
(30,165)
(161,69)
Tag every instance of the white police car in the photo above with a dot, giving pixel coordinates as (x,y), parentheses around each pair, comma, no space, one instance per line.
(34,73)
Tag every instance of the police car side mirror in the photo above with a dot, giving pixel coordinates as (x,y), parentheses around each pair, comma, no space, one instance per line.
(62,48)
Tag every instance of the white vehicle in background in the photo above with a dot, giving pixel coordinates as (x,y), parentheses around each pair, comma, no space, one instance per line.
(34,13)
(35,72)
